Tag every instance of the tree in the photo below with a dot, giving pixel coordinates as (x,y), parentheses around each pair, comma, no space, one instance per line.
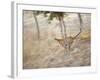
(37,25)
(81,24)
(60,17)
(80,21)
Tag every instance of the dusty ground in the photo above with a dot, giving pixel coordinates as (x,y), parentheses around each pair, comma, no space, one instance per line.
(48,53)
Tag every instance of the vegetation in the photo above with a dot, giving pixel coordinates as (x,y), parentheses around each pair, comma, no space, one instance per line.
(60,17)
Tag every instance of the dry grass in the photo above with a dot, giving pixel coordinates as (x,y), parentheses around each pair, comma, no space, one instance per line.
(49,53)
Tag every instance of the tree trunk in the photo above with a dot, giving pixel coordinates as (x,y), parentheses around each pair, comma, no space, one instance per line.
(37,25)
(63,32)
(61,28)
(80,21)
(65,35)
